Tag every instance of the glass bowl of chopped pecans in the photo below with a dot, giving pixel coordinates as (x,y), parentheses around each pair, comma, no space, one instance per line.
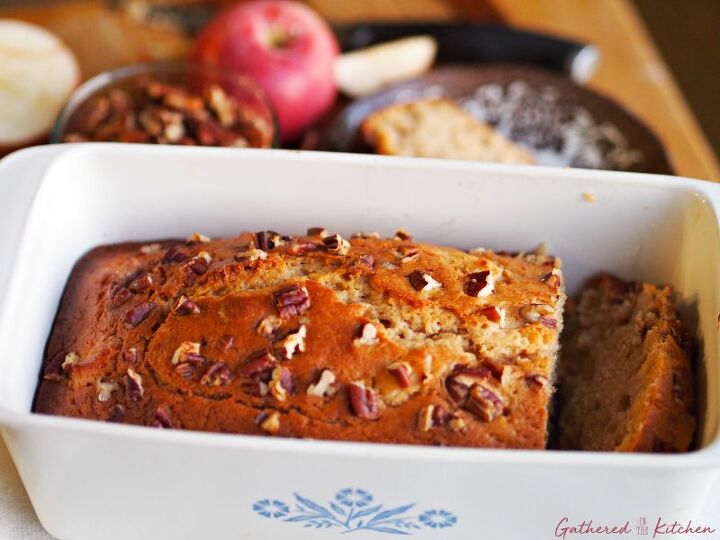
(178,103)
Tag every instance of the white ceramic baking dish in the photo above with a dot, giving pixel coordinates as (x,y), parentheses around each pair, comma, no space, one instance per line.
(92,480)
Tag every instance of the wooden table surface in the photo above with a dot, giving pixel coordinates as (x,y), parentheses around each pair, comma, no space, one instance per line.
(631,69)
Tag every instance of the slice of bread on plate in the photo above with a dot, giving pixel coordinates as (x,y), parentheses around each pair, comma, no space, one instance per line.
(438,128)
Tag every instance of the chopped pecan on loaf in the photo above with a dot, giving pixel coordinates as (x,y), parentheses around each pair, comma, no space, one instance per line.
(319,336)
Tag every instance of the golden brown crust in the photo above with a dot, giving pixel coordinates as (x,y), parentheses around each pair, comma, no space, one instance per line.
(626,378)
(413,357)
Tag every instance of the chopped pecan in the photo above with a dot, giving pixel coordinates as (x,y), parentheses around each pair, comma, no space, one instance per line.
(325,386)
(407,251)
(271,423)
(120,101)
(485,403)
(509,374)
(184,102)
(185,369)
(218,374)
(200,262)
(185,348)
(133,385)
(96,114)
(365,235)
(164,125)
(536,380)
(162,418)
(494,313)
(427,369)
(292,301)
(210,133)
(408,254)
(175,255)
(336,244)
(364,401)
(552,278)
(105,389)
(433,416)
(281,383)
(259,366)
(251,255)
(368,335)
(480,284)
(150,249)
(267,240)
(423,282)
(456,423)
(196,267)
(367,260)
(462,379)
(535,312)
(441,416)
(224,107)
(425,418)
(317,231)
(402,234)
(190,276)
(268,326)
(71,359)
(401,371)
(301,247)
(132,355)
(197,237)
(185,306)
(262,241)
(118,296)
(294,343)
(548,322)
(141,284)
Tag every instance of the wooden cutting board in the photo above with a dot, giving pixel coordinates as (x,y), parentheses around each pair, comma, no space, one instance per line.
(631,69)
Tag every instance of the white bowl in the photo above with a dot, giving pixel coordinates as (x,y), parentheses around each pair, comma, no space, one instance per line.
(90,480)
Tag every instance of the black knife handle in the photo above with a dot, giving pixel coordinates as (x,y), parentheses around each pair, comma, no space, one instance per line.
(478,43)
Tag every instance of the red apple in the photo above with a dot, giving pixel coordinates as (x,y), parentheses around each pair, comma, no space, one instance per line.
(286,47)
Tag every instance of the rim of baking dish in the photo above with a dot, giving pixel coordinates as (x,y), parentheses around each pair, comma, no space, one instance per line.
(705,457)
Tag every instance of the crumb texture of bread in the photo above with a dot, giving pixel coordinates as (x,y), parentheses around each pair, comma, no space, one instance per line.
(625,373)
(438,128)
(314,336)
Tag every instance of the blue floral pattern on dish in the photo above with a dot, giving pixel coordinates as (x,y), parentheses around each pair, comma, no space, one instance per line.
(353,497)
(438,519)
(271,508)
(354,509)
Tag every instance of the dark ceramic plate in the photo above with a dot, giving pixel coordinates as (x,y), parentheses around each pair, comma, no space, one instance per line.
(561,123)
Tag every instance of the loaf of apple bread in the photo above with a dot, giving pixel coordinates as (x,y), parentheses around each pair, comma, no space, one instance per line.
(316,336)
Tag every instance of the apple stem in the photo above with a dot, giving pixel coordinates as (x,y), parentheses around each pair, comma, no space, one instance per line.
(279,38)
